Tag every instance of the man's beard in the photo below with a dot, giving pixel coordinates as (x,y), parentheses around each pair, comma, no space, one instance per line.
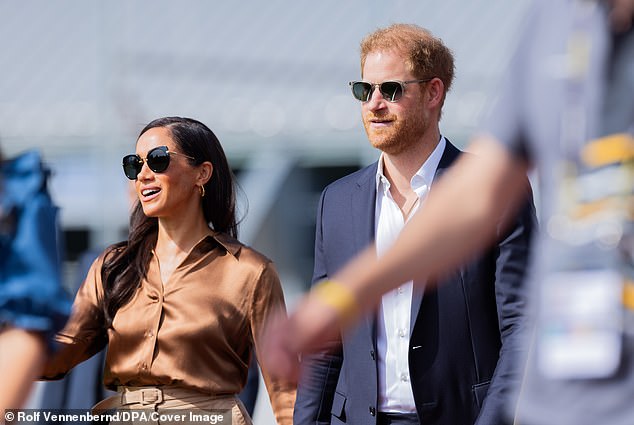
(399,136)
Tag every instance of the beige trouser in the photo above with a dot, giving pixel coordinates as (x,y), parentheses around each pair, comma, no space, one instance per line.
(171,405)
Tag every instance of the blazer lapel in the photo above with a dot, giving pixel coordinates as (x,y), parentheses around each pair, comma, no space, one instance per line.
(417,298)
(450,154)
(363,203)
(362,207)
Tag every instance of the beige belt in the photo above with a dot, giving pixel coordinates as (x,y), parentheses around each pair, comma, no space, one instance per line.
(165,397)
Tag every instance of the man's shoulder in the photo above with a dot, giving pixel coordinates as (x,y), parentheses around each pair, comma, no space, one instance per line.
(359,178)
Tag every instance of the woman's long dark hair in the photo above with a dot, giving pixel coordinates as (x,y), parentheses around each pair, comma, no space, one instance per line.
(126,263)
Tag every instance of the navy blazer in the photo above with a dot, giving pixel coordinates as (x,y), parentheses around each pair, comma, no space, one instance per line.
(465,337)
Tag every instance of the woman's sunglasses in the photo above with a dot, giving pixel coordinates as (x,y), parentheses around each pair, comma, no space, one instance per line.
(157,159)
(391,91)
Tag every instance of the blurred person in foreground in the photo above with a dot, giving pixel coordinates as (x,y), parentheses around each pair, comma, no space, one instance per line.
(179,303)
(33,305)
(567,108)
(437,356)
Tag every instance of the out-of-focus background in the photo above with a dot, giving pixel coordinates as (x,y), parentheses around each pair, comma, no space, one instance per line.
(80,79)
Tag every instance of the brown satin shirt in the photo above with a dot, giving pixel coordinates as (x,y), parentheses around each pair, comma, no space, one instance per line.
(197,330)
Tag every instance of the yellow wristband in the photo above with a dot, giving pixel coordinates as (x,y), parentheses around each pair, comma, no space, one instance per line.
(340,298)
(628,295)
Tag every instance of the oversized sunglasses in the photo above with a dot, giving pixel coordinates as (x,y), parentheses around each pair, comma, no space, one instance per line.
(157,159)
(391,90)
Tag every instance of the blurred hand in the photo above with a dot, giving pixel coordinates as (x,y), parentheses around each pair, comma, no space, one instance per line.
(276,355)
(310,328)
(621,15)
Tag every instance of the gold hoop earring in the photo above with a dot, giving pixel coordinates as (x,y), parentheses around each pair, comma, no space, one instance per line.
(202,191)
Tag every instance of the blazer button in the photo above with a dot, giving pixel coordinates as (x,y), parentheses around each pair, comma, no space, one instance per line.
(373,354)
(372,411)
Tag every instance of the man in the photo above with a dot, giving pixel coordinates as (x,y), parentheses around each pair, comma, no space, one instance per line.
(570,82)
(434,357)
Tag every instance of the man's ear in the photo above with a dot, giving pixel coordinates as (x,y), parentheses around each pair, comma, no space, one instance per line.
(205,171)
(435,92)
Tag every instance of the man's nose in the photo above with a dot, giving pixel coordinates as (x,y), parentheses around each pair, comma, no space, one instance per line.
(376,100)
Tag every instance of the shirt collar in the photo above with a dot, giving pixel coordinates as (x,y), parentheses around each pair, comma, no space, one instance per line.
(424,175)
(229,244)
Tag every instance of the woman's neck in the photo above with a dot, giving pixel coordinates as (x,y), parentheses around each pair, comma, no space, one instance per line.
(179,235)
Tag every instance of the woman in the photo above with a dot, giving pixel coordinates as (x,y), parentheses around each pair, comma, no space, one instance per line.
(181,303)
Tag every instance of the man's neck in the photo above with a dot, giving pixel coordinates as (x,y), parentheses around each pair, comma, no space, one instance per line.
(400,168)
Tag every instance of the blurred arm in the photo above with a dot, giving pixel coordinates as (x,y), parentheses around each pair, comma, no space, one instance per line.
(22,354)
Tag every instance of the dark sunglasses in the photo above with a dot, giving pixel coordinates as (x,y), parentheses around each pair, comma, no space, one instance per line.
(158,159)
(391,90)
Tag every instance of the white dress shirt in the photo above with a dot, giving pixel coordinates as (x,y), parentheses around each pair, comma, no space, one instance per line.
(393,324)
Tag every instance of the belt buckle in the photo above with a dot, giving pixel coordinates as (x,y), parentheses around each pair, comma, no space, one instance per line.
(151,396)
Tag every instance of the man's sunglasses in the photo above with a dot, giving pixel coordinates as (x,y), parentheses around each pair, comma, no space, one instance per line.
(391,91)
(158,159)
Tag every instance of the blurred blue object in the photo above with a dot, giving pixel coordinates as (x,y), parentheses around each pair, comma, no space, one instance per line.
(31,294)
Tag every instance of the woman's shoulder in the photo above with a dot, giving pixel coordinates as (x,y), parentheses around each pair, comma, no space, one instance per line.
(242,253)
(114,249)
(108,253)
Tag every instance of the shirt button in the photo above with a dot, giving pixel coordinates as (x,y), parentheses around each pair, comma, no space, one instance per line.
(400,290)
(404,377)
(401,333)
(372,411)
